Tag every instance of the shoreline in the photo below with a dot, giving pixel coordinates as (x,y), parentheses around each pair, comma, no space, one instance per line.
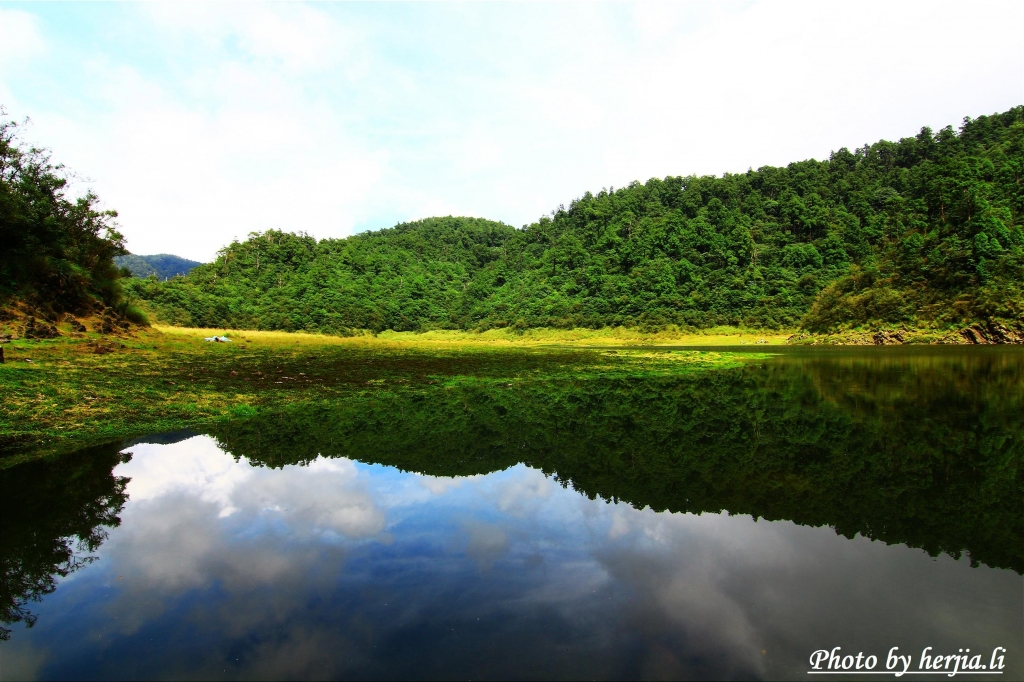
(82,388)
(977,334)
(19,324)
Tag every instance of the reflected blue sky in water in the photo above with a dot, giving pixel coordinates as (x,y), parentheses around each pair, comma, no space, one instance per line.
(340,569)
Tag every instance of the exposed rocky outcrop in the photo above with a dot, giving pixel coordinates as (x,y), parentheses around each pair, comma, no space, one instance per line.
(75,325)
(993,333)
(888,338)
(111,322)
(39,329)
(21,321)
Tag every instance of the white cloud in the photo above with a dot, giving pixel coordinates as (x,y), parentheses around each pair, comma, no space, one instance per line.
(300,37)
(20,39)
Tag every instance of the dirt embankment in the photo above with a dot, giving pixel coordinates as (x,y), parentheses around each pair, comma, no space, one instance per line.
(18,322)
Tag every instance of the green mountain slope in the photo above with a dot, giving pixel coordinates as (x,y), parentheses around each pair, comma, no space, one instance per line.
(406,277)
(162,265)
(924,231)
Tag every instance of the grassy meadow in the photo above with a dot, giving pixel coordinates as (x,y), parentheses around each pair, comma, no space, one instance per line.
(84,388)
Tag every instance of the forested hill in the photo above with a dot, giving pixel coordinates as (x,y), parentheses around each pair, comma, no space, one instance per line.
(926,231)
(161,265)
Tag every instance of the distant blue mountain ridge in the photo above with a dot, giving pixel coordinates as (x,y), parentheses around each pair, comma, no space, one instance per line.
(162,265)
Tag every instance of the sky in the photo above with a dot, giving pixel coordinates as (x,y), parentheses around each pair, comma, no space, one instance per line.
(202,122)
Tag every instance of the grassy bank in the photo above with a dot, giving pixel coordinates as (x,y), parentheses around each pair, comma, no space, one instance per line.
(608,336)
(625,337)
(72,391)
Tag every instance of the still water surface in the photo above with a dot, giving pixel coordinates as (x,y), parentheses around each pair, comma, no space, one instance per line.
(724,525)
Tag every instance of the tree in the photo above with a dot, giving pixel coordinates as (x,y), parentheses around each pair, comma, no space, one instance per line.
(58,252)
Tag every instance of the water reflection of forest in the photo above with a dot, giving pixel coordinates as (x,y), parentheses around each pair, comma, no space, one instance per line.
(923,450)
(53,515)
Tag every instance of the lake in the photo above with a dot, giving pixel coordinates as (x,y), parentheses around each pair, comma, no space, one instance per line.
(720,525)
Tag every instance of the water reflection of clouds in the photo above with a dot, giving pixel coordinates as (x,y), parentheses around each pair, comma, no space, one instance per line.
(327,495)
(342,569)
(526,491)
(196,465)
(196,518)
(750,593)
(438,485)
(486,543)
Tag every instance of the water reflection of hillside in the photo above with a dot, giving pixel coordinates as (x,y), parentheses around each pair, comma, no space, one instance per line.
(921,450)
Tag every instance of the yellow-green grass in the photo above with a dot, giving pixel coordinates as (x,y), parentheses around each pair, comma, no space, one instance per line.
(609,336)
(591,338)
(70,392)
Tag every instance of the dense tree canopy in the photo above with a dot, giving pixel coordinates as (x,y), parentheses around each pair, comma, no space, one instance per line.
(57,252)
(927,230)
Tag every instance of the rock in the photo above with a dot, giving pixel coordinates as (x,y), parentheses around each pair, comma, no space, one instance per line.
(35,329)
(1005,334)
(112,322)
(993,333)
(973,335)
(888,338)
(74,324)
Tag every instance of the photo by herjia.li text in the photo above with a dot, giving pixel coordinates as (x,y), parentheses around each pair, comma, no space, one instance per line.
(834,662)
